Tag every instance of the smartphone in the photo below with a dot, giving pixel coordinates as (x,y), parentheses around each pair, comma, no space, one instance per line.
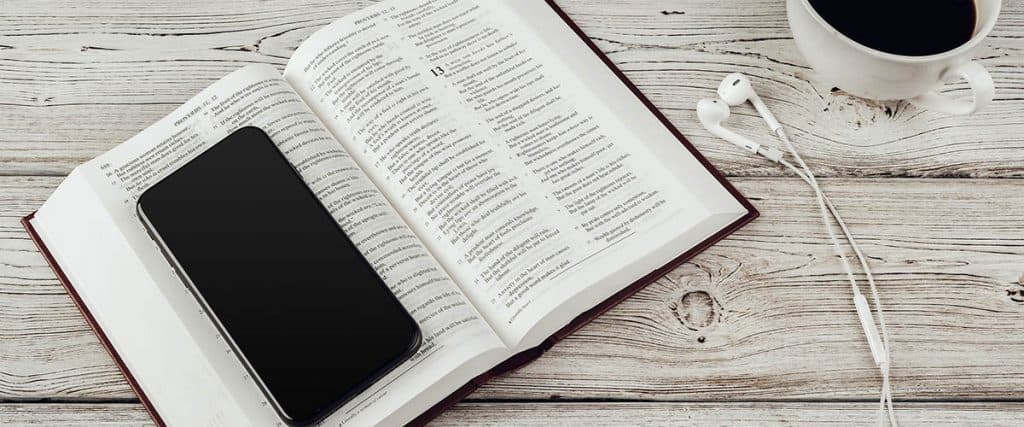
(298,304)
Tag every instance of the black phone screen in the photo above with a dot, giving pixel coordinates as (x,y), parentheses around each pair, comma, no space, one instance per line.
(302,307)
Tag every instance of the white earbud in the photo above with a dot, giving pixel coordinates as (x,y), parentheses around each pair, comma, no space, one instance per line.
(736,89)
(713,112)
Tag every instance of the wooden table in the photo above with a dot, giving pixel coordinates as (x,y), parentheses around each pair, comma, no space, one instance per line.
(759,328)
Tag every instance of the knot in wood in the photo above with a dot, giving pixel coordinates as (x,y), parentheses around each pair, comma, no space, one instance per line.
(696,310)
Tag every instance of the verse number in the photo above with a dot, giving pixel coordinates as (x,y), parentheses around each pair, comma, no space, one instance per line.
(437,71)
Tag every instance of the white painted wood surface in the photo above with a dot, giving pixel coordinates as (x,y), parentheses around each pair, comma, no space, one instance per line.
(587,414)
(937,201)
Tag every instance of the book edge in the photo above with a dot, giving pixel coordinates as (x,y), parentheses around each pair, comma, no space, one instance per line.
(26,223)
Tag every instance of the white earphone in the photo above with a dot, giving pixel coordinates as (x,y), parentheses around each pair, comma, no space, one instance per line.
(712,112)
(736,89)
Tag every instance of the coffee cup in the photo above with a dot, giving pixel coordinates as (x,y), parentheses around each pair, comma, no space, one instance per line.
(872,73)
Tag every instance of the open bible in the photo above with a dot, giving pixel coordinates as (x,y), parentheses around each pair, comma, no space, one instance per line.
(501,175)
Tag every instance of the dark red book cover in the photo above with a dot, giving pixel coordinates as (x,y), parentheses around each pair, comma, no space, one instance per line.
(523,357)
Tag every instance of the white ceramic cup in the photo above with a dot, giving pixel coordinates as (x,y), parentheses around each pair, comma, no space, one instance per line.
(870,73)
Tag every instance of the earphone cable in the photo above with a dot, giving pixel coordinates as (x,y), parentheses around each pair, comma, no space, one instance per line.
(826,206)
(885,398)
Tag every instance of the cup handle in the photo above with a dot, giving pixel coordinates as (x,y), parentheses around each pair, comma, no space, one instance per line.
(981,86)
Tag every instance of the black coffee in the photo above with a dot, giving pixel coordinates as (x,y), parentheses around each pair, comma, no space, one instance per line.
(902,27)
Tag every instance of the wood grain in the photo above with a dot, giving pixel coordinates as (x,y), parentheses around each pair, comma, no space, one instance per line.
(590,414)
(74,414)
(757,330)
(948,257)
(763,315)
(77,78)
(725,414)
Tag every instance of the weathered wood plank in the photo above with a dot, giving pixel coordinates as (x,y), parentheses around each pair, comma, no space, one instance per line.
(76,80)
(73,414)
(589,414)
(948,254)
(725,414)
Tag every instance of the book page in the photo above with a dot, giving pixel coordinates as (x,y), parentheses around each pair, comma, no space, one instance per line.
(457,343)
(527,189)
